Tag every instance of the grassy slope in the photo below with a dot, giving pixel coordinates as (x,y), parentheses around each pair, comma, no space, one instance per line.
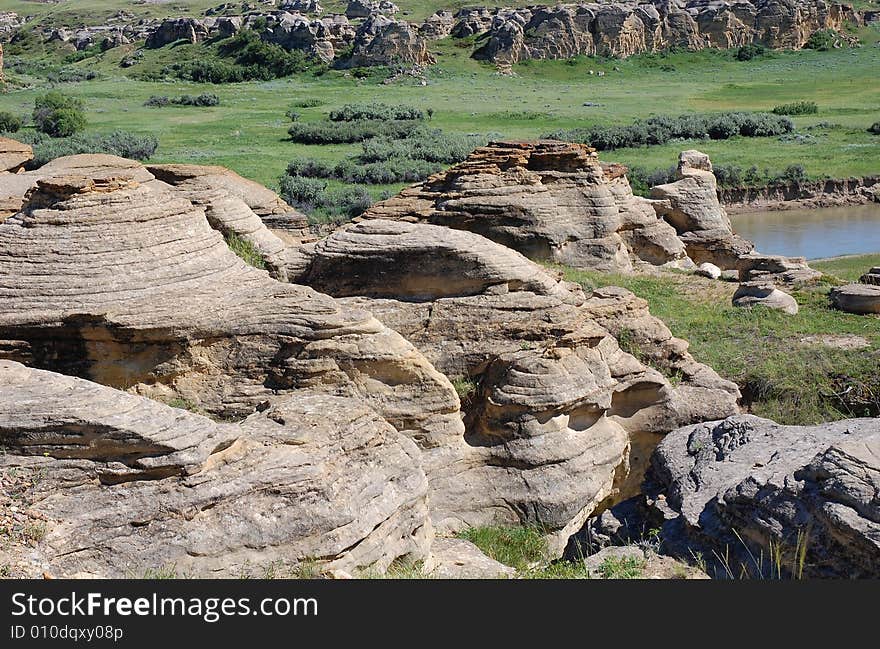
(783,376)
(247,133)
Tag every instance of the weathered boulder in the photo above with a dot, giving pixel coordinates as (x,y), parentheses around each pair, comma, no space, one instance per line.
(227,199)
(763,293)
(172,30)
(558,417)
(14,155)
(384,41)
(271,208)
(856,298)
(751,490)
(548,200)
(130,487)
(710,271)
(755,266)
(460,559)
(871,277)
(436,26)
(320,37)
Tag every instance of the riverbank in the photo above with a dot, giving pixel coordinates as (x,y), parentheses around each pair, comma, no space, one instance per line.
(835,192)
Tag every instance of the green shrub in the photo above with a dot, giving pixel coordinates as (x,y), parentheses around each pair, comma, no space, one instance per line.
(122,143)
(797,108)
(307,103)
(348,132)
(245,250)
(822,40)
(377,111)
(204,99)
(58,115)
(313,196)
(9,123)
(749,52)
(662,128)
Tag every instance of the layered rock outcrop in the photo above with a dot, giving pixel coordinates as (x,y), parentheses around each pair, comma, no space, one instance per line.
(14,155)
(548,200)
(628,28)
(558,417)
(384,41)
(751,490)
(129,486)
(177,314)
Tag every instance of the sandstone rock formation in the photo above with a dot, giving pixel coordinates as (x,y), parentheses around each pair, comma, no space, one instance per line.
(366,8)
(460,559)
(628,28)
(548,200)
(755,266)
(14,155)
(323,38)
(691,205)
(732,488)
(871,277)
(856,298)
(129,486)
(763,293)
(179,315)
(172,30)
(384,41)
(558,417)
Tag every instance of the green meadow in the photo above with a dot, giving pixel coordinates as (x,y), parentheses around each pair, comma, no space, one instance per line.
(248,131)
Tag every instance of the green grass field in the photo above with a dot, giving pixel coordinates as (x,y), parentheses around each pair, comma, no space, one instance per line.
(248,131)
(784,364)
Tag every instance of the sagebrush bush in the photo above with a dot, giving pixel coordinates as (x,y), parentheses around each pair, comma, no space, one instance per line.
(797,108)
(751,51)
(377,110)
(661,129)
(122,143)
(9,122)
(349,132)
(58,115)
(204,99)
(313,196)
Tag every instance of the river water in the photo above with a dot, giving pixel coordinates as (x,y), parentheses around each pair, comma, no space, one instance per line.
(813,233)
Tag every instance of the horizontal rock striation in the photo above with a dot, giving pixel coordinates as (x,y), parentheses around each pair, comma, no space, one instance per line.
(558,418)
(129,486)
(548,200)
(126,283)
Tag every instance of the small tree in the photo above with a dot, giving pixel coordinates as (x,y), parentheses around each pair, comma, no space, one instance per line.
(58,115)
(9,123)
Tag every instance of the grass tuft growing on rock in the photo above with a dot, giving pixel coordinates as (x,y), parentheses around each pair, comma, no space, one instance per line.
(245,249)
(518,547)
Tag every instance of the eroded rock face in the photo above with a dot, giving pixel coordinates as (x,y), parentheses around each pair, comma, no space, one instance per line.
(172,30)
(691,205)
(13,154)
(628,28)
(737,485)
(129,486)
(241,207)
(856,298)
(177,314)
(558,417)
(548,200)
(384,41)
